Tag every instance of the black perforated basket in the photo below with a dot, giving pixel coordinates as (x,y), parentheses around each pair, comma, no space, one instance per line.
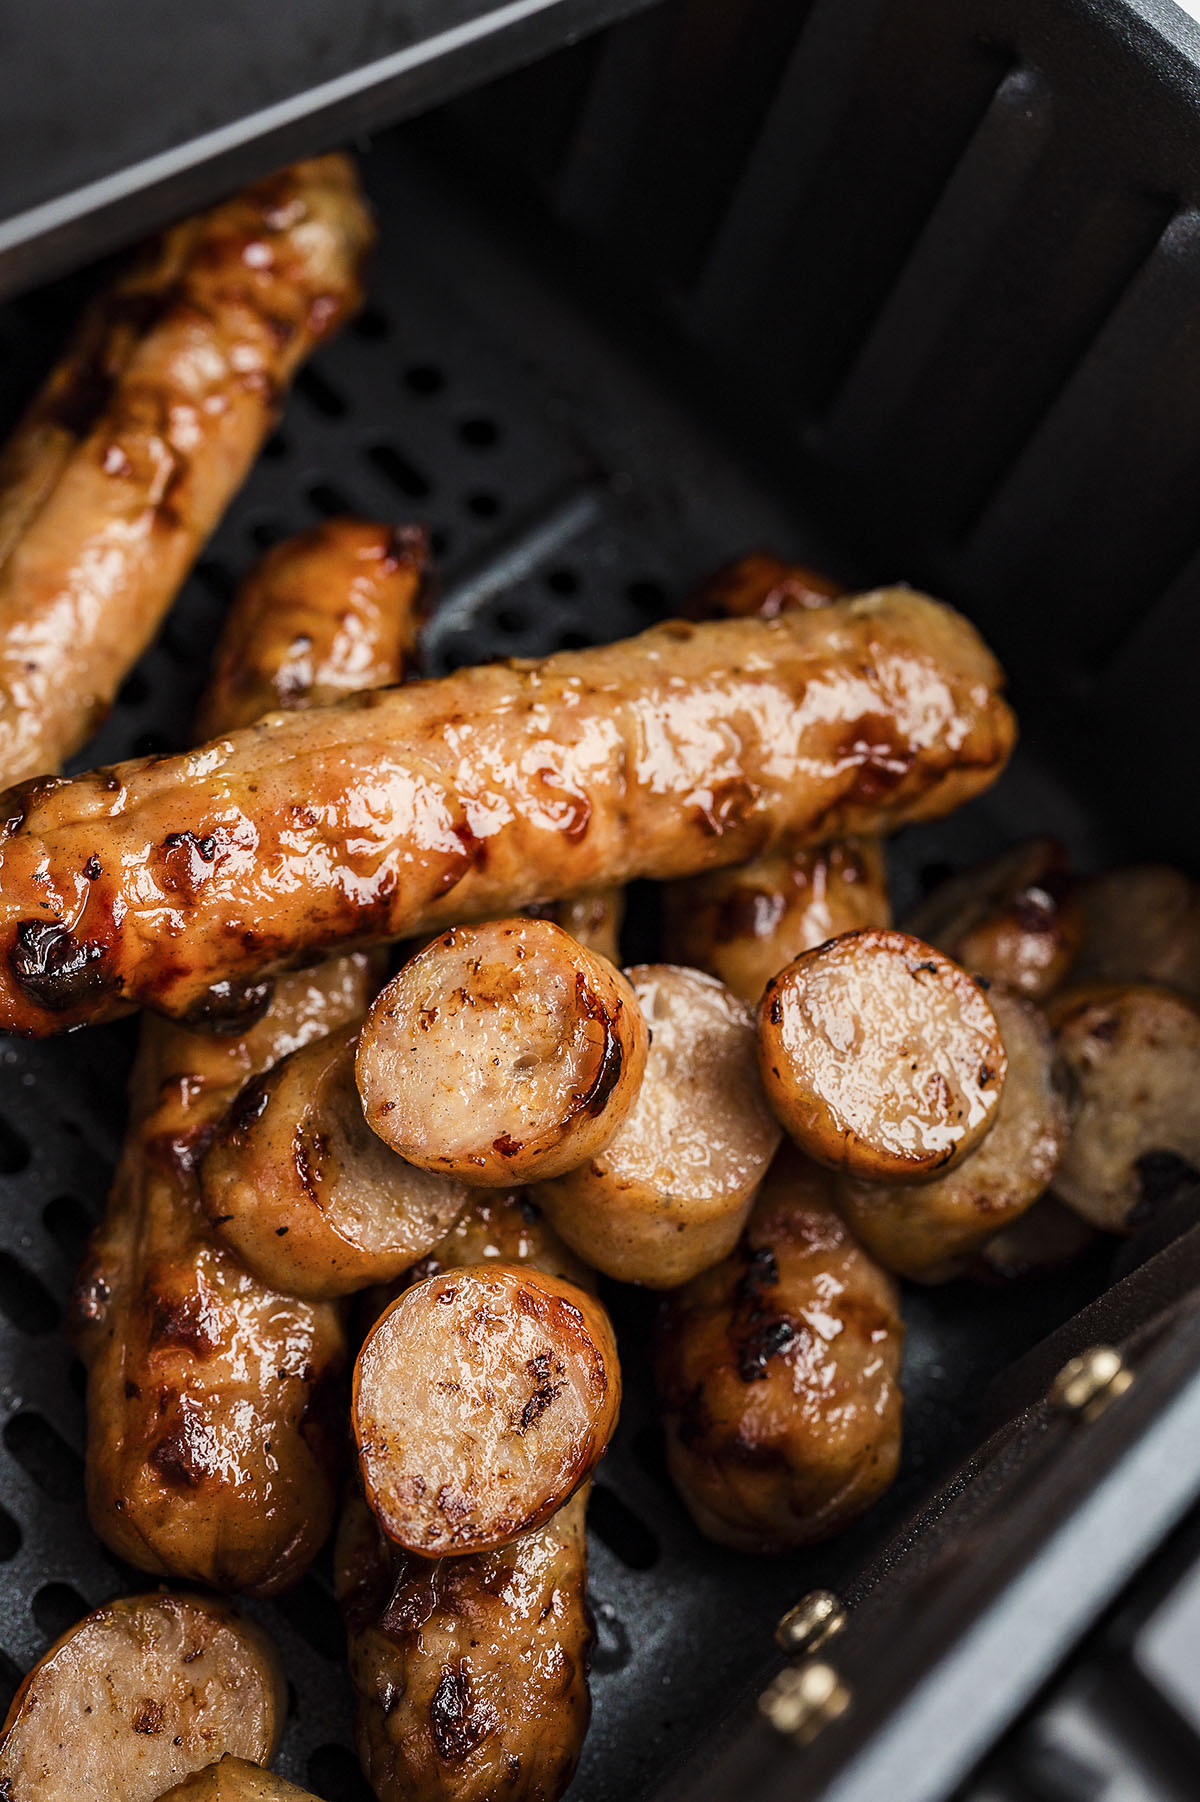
(901,287)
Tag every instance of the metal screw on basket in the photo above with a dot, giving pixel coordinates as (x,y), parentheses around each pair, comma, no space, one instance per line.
(1087,1384)
(804,1699)
(815,1618)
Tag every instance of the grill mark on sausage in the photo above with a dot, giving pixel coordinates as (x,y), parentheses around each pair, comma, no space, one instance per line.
(230,1007)
(58,969)
(458,1720)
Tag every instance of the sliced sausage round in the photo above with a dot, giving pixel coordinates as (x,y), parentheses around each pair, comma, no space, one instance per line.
(670,1194)
(1133,1055)
(482,1399)
(138,1695)
(233,1780)
(307,1195)
(933,1231)
(1142,924)
(880,1056)
(500,1053)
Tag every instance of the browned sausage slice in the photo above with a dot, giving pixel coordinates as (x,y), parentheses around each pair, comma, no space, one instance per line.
(932,1231)
(482,1399)
(1142,925)
(880,1056)
(500,1053)
(744,925)
(134,448)
(685,749)
(670,1194)
(233,1780)
(1015,920)
(284,642)
(138,1695)
(306,1194)
(594,918)
(779,1374)
(760,586)
(1133,1055)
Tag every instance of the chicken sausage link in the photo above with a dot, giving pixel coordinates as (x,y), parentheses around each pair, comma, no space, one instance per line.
(133,449)
(472,1683)
(213,1450)
(687,748)
(329,613)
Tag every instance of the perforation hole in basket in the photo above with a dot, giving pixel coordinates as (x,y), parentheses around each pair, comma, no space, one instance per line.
(314,1614)
(216,578)
(56,1607)
(396,468)
(45,1456)
(264,535)
(483,504)
(624,1533)
(561,580)
(329,500)
(648,596)
(480,432)
(510,620)
(334,1774)
(68,1223)
(371,325)
(424,379)
(320,394)
(15,1152)
(10,1537)
(276,448)
(24,1298)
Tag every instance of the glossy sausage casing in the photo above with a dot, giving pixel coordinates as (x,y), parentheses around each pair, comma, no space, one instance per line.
(688,748)
(214,1432)
(130,454)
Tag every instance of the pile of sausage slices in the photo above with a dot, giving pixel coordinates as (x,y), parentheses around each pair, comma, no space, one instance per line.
(396,1106)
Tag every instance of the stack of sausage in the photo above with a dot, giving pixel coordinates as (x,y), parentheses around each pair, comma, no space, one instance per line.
(404,1188)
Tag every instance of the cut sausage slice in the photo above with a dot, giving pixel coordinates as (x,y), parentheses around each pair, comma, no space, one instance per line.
(470,1673)
(779,1374)
(1015,920)
(502,1052)
(325,614)
(934,1230)
(138,1695)
(745,925)
(670,1194)
(482,1399)
(880,1056)
(1133,1054)
(1143,926)
(233,1780)
(307,1195)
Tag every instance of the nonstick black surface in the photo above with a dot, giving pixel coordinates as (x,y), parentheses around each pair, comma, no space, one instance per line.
(572,501)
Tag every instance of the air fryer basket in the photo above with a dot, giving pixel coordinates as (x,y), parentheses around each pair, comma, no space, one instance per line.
(740,337)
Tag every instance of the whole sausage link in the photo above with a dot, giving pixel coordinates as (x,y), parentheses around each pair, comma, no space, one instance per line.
(130,454)
(687,748)
(214,1446)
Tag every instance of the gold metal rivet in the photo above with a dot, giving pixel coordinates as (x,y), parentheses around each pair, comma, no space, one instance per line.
(803,1699)
(815,1618)
(1090,1382)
